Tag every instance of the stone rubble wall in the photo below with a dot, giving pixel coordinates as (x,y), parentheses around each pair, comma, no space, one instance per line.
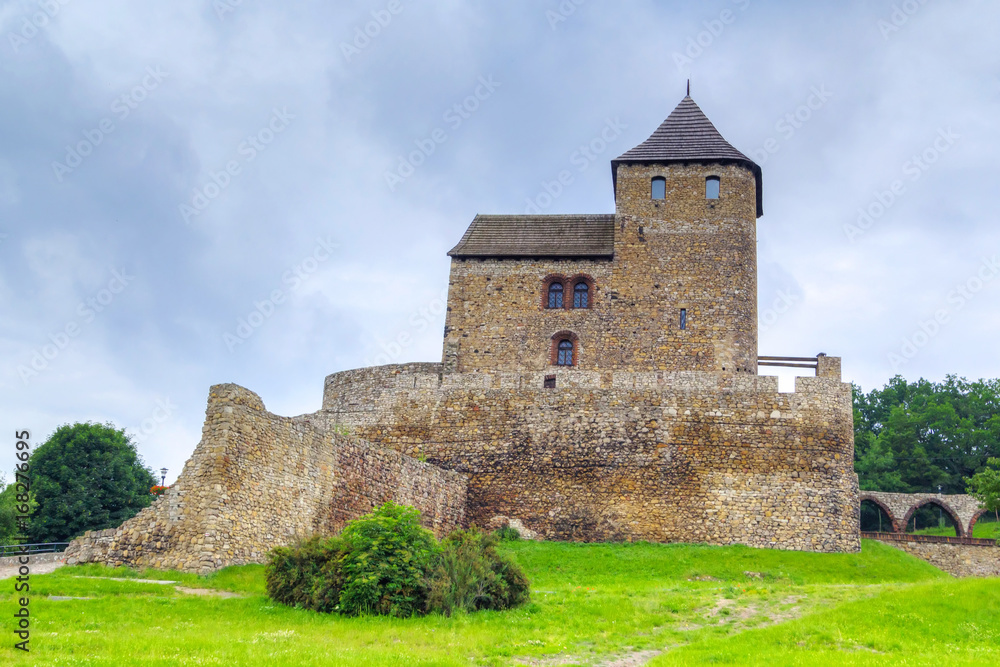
(956,559)
(666,457)
(257,480)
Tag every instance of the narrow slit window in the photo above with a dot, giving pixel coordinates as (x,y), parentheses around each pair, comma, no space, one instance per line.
(684,318)
(556,295)
(712,185)
(565,355)
(659,188)
(581,295)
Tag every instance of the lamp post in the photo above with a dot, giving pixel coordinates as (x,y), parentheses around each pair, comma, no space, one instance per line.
(163,476)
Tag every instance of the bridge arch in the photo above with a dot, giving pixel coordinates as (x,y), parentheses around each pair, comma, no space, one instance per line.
(894,522)
(959,528)
(976,517)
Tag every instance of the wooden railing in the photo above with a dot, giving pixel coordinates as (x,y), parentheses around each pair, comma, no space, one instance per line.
(789,362)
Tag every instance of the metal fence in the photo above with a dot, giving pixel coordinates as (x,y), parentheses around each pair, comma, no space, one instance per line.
(931,539)
(32,549)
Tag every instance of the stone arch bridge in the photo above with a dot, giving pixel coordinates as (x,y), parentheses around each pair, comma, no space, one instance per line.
(964,510)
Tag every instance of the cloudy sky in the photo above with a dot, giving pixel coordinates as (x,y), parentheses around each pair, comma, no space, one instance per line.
(262,192)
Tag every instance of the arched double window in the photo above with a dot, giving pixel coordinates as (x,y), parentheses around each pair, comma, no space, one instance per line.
(562,292)
(581,295)
(659,188)
(555,295)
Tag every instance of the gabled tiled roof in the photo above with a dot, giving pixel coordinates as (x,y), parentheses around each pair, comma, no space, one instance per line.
(687,135)
(512,236)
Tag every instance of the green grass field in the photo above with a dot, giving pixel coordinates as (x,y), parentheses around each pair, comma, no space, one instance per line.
(591,604)
(985,529)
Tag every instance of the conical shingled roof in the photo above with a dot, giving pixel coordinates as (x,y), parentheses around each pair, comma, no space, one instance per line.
(687,135)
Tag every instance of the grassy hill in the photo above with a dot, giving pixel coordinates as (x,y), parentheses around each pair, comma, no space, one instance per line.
(591,604)
(983,529)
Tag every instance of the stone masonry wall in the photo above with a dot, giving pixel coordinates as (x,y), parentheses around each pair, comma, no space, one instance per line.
(685,252)
(660,456)
(257,480)
(957,559)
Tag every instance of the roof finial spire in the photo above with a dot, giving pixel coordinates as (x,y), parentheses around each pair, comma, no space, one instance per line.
(689,87)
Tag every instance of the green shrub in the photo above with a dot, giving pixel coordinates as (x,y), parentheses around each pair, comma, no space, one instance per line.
(386,563)
(307,575)
(508,534)
(470,575)
(385,569)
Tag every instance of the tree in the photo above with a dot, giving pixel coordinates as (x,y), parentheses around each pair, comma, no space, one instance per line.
(86,477)
(984,486)
(913,437)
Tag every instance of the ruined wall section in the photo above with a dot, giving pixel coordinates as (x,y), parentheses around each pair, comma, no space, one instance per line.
(257,480)
(666,457)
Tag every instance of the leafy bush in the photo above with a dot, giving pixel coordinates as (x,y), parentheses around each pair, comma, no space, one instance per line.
(508,534)
(387,563)
(385,571)
(470,575)
(307,575)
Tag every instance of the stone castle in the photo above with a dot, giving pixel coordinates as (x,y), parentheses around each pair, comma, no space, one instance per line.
(598,382)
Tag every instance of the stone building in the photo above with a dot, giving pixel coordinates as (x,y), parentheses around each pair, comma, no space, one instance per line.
(598,382)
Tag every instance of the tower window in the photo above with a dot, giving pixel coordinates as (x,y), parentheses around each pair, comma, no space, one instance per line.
(712,184)
(556,295)
(565,353)
(659,188)
(550,382)
(684,318)
(581,295)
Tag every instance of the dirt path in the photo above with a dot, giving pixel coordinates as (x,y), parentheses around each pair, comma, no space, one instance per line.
(42,564)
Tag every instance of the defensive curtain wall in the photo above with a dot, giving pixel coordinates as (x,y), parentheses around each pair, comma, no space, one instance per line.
(256,481)
(660,456)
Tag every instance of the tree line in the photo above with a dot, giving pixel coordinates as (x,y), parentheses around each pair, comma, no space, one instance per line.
(923,436)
